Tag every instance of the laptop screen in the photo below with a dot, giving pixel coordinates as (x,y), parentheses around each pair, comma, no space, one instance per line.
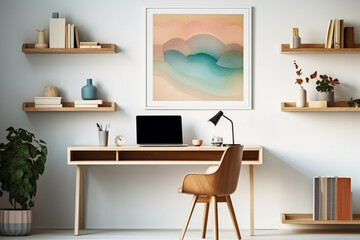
(159,129)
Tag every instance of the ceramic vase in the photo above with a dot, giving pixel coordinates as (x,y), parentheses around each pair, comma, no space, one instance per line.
(328,97)
(301,97)
(88,92)
(41,38)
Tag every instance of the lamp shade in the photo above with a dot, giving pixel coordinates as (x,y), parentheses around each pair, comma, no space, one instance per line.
(215,119)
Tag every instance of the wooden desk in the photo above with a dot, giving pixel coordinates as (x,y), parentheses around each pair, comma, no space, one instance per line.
(207,155)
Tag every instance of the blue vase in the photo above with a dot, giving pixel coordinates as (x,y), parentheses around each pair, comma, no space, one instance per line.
(88,92)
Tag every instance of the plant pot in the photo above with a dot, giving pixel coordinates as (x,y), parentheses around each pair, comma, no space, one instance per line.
(328,97)
(301,97)
(15,222)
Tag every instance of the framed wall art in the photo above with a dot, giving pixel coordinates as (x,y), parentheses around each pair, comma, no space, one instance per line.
(198,58)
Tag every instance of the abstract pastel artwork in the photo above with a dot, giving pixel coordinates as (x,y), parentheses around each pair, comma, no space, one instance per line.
(198,58)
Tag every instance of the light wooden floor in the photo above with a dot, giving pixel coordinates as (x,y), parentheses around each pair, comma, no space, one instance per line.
(190,235)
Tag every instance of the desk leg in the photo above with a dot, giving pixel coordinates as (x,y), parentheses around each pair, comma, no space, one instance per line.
(79,210)
(251,178)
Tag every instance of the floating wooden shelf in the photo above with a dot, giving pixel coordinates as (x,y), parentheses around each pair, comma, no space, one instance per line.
(69,107)
(318,48)
(307,218)
(105,48)
(341,106)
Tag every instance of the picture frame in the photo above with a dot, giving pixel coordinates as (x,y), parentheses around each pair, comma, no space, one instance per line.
(198,58)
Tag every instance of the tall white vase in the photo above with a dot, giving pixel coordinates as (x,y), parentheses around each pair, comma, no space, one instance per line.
(301,97)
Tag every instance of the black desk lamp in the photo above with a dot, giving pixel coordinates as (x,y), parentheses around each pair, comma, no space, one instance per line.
(215,119)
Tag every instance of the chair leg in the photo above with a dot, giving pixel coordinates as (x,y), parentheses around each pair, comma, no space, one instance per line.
(216,230)
(233,217)
(189,216)
(205,219)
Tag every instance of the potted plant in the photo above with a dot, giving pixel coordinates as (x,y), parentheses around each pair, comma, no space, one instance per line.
(22,161)
(324,85)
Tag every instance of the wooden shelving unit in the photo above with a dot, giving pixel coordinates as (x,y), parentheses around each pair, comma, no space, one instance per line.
(105,48)
(318,48)
(69,107)
(341,106)
(307,218)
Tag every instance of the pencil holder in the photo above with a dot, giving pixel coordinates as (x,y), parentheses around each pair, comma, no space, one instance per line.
(103,138)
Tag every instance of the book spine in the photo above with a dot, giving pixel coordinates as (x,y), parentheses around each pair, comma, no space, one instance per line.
(317,199)
(323,198)
(343,206)
(349,41)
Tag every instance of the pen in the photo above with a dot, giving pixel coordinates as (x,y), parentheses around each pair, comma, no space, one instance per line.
(99,127)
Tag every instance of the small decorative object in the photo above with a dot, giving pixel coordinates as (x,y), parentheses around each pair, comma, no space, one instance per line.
(301,97)
(197,142)
(354,102)
(22,161)
(88,92)
(119,140)
(217,141)
(50,91)
(317,104)
(301,93)
(41,39)
(296,40)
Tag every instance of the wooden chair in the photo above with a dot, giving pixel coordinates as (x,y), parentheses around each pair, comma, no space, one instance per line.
(213,186)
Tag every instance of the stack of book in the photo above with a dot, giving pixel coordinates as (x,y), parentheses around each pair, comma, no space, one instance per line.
(88,103)
(335,34)
(48,102)
(89,45)
(332,198)
(71,36)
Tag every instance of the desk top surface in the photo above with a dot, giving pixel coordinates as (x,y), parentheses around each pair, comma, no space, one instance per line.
(135,155)
(139,148)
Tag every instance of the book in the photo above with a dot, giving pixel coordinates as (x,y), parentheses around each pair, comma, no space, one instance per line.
(338,33)
(323,198)
(317,198)
(57,33)
(77,39)
(72,36)
(48,100)
(48,105)
(95,101)
(86,105)
(330,34)
(86,46)
(66,36)
(343,194)
(349,40)
(331,198)
(89,43)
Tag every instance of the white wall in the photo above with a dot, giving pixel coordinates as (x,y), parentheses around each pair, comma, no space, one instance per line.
(297,146)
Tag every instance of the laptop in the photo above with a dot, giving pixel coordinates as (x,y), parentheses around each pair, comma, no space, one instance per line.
(159,130)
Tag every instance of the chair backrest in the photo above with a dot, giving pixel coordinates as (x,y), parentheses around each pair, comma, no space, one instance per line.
(227,175)
(223,181)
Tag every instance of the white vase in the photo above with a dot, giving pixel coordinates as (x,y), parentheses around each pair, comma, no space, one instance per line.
(301,97)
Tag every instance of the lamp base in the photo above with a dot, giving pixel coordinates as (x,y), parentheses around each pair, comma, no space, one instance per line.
(231,145)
